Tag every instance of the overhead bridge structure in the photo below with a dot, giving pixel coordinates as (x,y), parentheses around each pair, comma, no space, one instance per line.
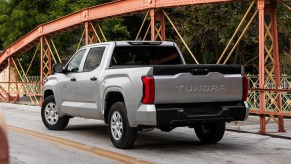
(268,98)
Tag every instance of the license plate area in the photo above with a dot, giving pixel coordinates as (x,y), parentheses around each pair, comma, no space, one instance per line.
(194,110)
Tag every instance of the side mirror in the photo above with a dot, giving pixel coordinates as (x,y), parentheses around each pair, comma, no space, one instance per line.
(57,68)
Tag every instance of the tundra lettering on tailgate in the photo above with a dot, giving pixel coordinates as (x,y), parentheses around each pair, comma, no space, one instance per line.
(201,88)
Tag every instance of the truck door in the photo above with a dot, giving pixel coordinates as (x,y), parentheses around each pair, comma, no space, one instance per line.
(67,87)
(87,83)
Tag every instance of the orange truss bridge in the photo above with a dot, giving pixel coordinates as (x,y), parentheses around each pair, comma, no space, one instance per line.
(269,95)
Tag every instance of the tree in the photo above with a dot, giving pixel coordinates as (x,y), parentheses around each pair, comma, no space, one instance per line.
(18,17)
(208,28)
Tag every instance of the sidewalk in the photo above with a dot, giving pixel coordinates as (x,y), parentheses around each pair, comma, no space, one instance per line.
(25,100)
(252,125)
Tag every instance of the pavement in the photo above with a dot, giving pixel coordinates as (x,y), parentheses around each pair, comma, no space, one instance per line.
(178,146)
(252,125)
(25,149)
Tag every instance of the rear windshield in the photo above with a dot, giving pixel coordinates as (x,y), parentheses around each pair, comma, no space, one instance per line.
(145,55)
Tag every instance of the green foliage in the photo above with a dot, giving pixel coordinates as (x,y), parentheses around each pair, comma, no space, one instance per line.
(208,28)
(18,17)
(285,61)
(114,29)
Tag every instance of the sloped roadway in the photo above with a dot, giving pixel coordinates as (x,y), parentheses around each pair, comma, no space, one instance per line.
(87,141)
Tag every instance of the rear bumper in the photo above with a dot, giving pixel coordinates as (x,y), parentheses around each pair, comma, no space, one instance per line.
(175,115)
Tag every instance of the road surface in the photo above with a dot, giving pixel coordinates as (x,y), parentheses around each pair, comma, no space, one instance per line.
(28,150)
(87,141)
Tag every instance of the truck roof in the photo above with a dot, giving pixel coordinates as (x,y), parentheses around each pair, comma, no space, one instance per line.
(133,43)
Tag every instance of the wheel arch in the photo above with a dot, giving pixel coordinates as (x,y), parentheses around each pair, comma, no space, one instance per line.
(110,98)
(48,92)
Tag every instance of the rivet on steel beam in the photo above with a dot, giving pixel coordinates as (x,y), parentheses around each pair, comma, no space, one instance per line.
(84,14)
(40,30)
(261,4)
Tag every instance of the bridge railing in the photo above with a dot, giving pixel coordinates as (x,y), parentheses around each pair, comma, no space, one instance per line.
(31,87)
(277,99)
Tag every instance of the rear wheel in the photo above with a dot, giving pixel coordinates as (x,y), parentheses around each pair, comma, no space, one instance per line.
(50,117)
(121,134)
(210,132)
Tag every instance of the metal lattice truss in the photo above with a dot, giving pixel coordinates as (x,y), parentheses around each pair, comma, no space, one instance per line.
(272,96)
(93,34)
(48,52)
(269,58)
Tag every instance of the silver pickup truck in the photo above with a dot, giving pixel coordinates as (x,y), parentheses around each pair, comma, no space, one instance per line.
(138,86)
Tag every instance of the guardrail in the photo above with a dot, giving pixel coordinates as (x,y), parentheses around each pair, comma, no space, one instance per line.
(272,94)
(31,87)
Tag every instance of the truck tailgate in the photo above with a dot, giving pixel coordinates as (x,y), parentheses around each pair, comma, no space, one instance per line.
(198,83)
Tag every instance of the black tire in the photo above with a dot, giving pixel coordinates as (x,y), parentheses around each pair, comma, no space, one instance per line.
(58,124)
(128,134)
(210,132)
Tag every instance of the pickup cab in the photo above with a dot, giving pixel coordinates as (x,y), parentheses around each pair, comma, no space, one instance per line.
(138,86)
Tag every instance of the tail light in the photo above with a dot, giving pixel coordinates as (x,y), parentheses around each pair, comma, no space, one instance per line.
(148,89)
(245,88)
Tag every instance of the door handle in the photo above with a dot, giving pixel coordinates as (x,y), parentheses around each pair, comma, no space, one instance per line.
(73,79)
(93,78)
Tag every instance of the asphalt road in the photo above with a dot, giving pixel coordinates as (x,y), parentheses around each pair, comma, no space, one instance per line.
(25,149)
(178,146)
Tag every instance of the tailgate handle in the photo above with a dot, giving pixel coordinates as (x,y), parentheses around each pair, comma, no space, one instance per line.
(199,71)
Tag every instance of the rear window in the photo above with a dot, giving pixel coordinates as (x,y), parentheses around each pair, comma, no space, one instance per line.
(145,55)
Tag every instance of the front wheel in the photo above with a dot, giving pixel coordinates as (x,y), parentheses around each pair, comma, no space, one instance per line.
(50,117)
(210,132)
(121,134)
